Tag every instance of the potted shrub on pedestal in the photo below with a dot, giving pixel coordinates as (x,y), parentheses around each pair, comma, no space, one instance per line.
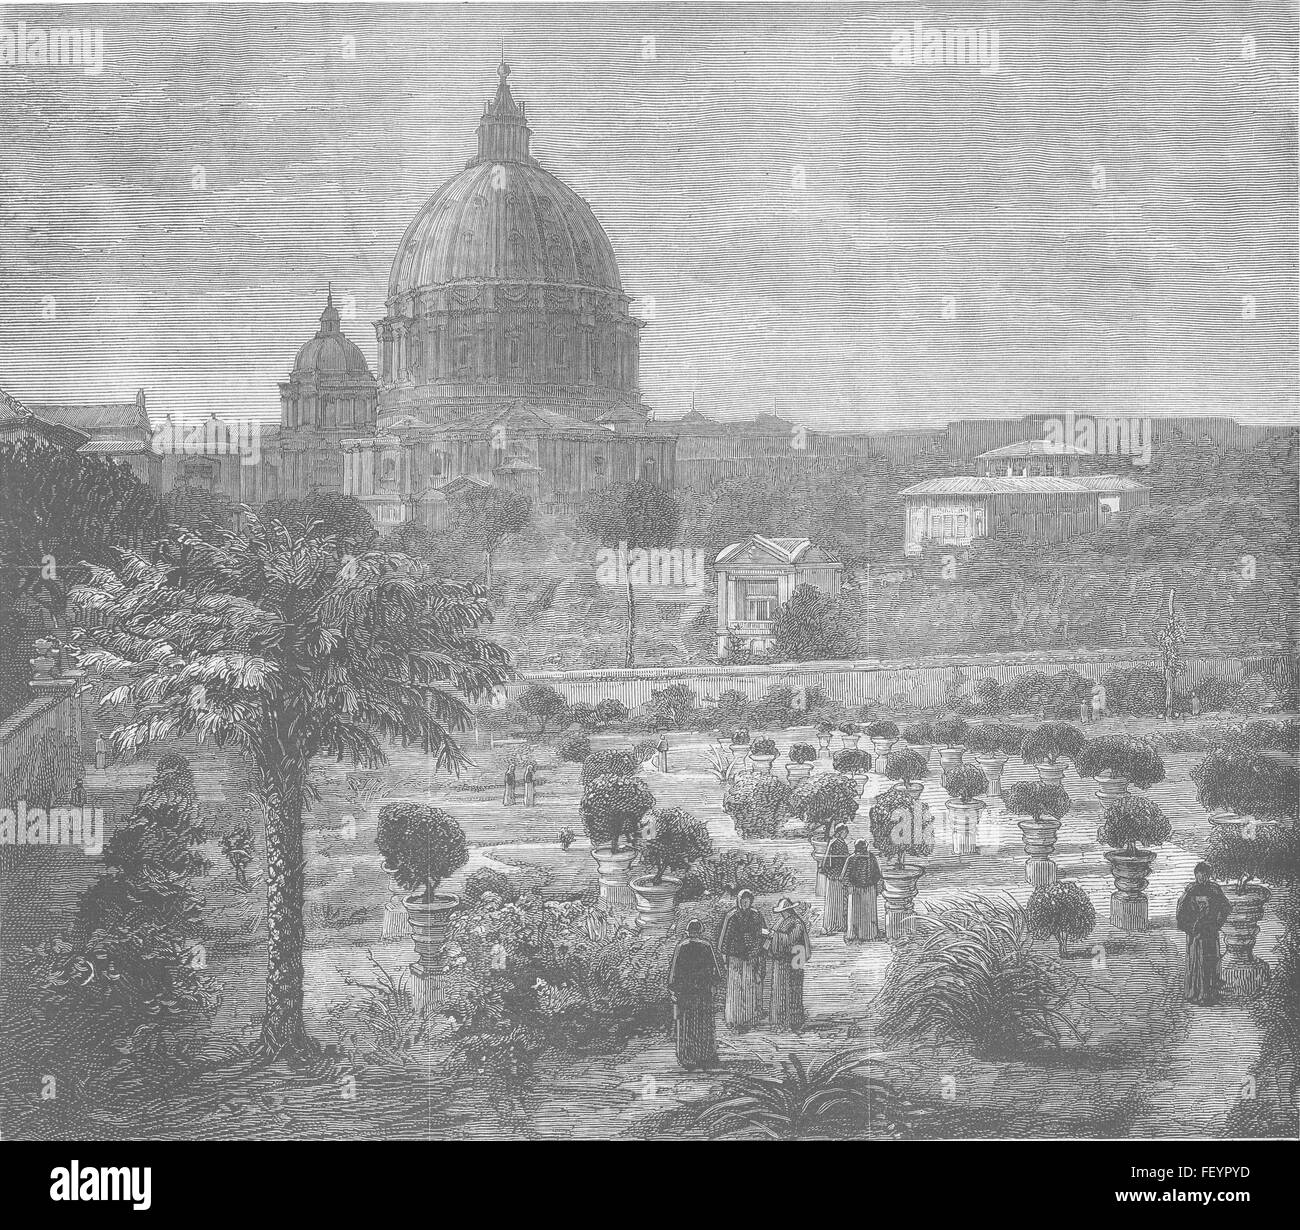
(763,753)
(675,839)
(1047,746)
(850,732)
(883,736)
(949,733)
(1060,911)
(802,756)
(1128,826)
(823,802)
(852,763)
(908,766)
(421,846)
(1117,762)
(1044,806)
(825,730)
(992,743)
(740,742)
(1255,840)
(757,804)
(919,736)
(612,808)
(965,785)
(900,829)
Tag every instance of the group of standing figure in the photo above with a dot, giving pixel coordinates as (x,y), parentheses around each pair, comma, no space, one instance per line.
(853,881)
(760,964)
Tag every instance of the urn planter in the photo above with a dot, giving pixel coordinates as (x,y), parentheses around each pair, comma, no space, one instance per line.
(993,766)
(1128,903)
(1111,788)
(1244,974)
(1040,841)
(430,925)
(762,764)
(964,820)
(850,740)
(655,904)
(1050,774)
(823,746)
(614,875)
(882,747)
(923,750)
(796,771)
(900,899)
(950,757)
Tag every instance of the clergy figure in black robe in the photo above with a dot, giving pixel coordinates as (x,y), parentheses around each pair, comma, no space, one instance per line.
(692,978)
(1202,910)
(741,942)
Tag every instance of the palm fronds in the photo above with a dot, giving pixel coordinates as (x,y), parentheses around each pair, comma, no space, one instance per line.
(834,1099)
(973,976)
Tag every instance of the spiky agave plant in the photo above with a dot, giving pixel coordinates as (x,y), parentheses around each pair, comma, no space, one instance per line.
(828,1101)
(972,975)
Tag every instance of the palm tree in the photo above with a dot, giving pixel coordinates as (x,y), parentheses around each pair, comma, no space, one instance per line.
(278,642)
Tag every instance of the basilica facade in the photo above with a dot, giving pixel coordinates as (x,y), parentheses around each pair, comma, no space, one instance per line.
(508,353)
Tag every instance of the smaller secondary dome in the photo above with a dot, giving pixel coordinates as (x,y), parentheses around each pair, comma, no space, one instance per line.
(330,352)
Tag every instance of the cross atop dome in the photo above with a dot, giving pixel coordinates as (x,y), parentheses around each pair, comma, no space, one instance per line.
(329,318)
(503,131)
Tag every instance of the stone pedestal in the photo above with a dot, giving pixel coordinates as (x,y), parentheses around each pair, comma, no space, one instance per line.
(1244,974)
(1040,841)
(430,923)
(614,876)
(900,898)
(1128,904)
(964,821)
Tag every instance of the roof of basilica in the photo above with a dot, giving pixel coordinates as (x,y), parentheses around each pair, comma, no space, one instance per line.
(504,219)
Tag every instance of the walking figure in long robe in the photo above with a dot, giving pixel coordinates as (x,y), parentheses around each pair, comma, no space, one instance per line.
(508,794)
(1202,910)
(862,880)
(740,942)
(692,978)
(835,903)
(791,950)
(530,786)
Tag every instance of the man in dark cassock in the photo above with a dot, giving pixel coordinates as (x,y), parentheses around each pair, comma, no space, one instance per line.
(791,952)
(740,942)
(835,906)
(692,978)
(1202,910)
(508,794)
(862,880)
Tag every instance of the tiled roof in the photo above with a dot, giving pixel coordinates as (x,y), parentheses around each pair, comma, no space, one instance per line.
(101,444)
(965,484)
(785,550)
(1034,448)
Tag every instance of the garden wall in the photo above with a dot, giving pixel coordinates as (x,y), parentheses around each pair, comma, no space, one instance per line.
(920,683)
(56,711)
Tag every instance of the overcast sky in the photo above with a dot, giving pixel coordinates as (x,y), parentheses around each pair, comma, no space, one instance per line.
(921,182)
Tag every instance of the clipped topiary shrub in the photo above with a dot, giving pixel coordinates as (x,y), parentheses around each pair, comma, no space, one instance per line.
(758,803)
(575,748)
(422,845)
(825,801)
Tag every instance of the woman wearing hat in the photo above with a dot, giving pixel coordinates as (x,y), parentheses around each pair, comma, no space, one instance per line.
(791,950)
(691,979)
(862,880)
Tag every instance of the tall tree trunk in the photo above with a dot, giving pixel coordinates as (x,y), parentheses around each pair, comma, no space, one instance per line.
(1169,693)
(487,572)
(284,1032)
(629,657)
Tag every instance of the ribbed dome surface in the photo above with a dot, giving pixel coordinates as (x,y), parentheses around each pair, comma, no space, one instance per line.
(330,352)
(504,222)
